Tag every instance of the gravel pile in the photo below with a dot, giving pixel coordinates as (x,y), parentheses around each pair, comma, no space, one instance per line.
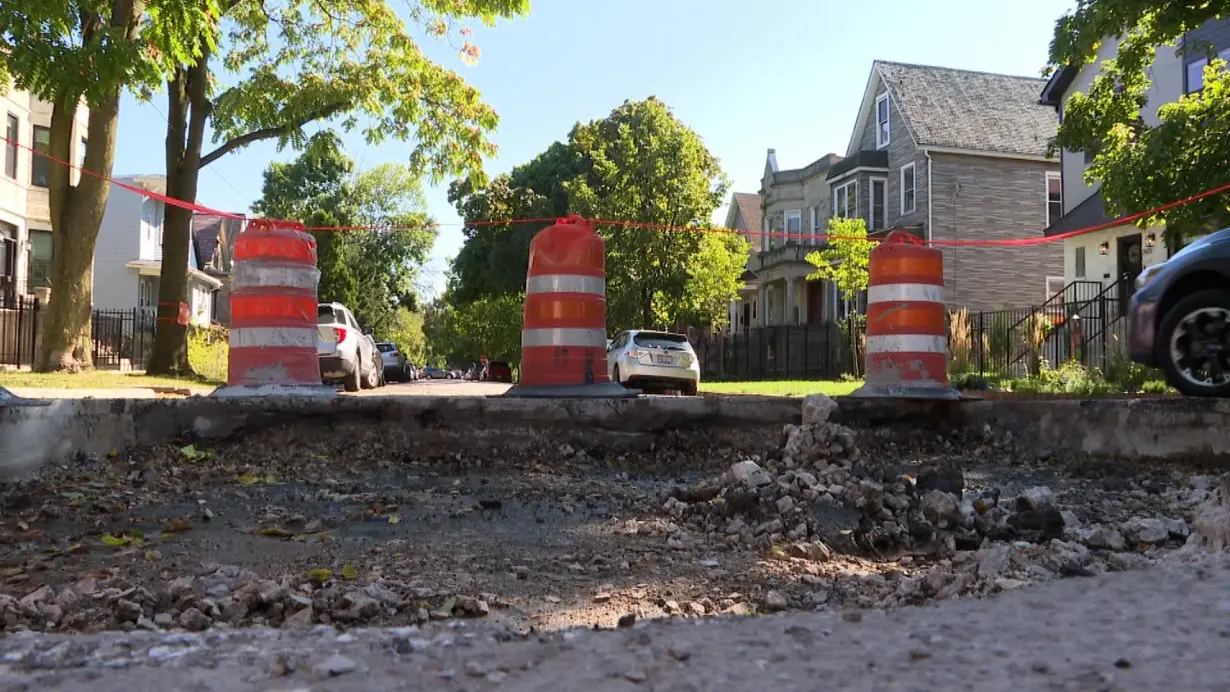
(231,596)
(820,498)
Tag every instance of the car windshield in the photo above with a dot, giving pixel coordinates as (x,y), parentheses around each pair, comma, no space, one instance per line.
(661,340)
(324,315)
(386,348)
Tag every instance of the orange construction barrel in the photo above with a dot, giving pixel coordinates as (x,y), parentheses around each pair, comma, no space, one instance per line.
(907,331)
(273,313)
(563,338)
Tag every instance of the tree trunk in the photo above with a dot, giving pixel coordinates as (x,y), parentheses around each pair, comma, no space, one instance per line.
(76,214)
(189,109)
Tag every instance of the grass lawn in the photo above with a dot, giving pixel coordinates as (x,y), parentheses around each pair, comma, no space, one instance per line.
(93,379)
(798,388)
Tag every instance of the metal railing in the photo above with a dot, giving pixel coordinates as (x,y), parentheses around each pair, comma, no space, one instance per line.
(122,339)
(788,352)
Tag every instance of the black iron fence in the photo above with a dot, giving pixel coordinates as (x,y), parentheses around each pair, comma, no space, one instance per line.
(789,352)
(1016,343)
(122,339)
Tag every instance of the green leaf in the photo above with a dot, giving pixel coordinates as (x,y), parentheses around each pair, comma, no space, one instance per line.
(320,575)
(349,573)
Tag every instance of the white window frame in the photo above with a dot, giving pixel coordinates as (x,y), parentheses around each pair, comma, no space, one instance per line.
(1053,175)
(871,205)
(884,128)
(766,240)
(1080,262)
(786,217)
(913,189)
(851,200)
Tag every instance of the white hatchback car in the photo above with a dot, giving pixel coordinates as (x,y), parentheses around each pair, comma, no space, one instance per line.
(646,359)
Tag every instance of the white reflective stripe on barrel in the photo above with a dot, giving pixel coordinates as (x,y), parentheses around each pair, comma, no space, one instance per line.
(893,293)
(273,337)
(257,273)
(906,343)
(580,338)
(566,283)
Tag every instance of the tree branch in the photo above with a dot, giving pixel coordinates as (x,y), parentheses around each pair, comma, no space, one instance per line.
(271,132)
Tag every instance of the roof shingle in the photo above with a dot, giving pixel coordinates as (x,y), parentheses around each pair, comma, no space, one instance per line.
(749,209)
(963,109)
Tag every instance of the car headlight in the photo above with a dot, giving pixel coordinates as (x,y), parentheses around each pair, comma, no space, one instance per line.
(1148,275)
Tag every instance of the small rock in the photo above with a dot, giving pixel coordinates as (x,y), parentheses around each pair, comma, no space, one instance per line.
(626,620)
(775,601)
(1038,497)
(335,665)
(1146,530)
(944,480)
(127,611)
(750,473)
(194,620)
(817,408)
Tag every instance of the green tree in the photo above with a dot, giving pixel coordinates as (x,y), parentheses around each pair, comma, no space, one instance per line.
(494,257)
(309,61)
(407,331)
(1143,167)
(845,262)
(373,272)
(69,52)
(713,280)
(489,326)
(644,165)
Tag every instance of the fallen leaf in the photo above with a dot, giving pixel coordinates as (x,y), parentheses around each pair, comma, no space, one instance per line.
(320,575)
(108,539)
(274,532)
(349,573)
(447,606)
(23,526)
(72,496)
(153,555)
(191,453)
(393,518)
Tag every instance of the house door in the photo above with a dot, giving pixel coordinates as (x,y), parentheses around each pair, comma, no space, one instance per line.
(815,302)
(1128,259)
(746,323)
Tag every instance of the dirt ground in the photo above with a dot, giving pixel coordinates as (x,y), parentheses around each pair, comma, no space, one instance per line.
(347,525)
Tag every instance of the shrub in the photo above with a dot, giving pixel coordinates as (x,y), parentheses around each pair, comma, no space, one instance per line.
(208,348)
(960,342)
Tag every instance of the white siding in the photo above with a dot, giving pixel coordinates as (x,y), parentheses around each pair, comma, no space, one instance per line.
(119,242)
(1166,86)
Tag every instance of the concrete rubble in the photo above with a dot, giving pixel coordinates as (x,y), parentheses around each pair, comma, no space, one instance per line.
(828,518)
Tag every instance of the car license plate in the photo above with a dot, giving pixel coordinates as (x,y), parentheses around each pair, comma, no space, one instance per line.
(663,360)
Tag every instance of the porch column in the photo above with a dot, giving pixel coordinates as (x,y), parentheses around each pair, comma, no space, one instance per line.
(763,296)
(788,317)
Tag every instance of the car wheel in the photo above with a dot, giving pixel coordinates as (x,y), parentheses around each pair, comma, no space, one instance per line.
(688,389)
(353,381)
(615,376)
(370,378)
(1193,344)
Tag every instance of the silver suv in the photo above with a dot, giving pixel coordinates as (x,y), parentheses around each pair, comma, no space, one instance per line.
(347,355)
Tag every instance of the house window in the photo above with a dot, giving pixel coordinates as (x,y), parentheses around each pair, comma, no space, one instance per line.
(878,195)
(147,292)
(882,128)
(908,202)
(81,154)
(766,240)
(10,146)
(1195,71)
(40,166)
(39,260)
(1054,197)
(149,219)
(844,199)
(1079,261)
(794,224)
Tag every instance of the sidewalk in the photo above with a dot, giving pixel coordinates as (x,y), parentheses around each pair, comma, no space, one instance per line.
(118,393)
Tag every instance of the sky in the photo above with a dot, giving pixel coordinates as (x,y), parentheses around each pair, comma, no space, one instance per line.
(747,76)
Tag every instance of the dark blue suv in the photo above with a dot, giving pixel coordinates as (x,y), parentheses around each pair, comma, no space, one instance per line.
(1179,317)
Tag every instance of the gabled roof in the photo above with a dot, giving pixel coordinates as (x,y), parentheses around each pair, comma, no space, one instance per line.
(749,209)
(961,109)
(1087,214)
(206,228)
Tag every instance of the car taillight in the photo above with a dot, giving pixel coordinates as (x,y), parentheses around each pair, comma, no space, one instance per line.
(339,334)
(637,354)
